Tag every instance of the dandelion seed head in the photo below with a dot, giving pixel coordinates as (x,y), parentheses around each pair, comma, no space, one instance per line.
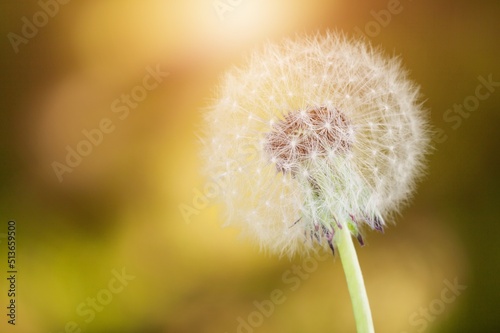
(330,132)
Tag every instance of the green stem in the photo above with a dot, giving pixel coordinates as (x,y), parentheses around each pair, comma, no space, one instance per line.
(354,277)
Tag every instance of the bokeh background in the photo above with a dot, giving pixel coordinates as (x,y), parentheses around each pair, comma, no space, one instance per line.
(119,209)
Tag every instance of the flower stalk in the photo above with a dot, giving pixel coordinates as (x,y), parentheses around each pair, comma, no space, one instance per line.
(354,277)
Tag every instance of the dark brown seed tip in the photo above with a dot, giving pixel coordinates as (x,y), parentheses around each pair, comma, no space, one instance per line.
(360,240)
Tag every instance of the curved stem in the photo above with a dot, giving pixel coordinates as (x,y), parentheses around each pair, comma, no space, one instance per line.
(354,277)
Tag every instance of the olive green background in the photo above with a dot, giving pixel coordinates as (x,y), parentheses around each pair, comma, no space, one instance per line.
(119,208)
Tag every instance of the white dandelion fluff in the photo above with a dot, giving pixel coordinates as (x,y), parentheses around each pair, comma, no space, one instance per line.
(315,134)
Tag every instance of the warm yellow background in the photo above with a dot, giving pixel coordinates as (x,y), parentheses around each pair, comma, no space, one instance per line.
(120,206)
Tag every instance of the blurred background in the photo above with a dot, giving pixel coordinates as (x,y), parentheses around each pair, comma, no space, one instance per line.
(104,240)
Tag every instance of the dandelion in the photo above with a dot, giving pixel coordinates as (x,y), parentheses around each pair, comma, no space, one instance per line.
(316,139)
